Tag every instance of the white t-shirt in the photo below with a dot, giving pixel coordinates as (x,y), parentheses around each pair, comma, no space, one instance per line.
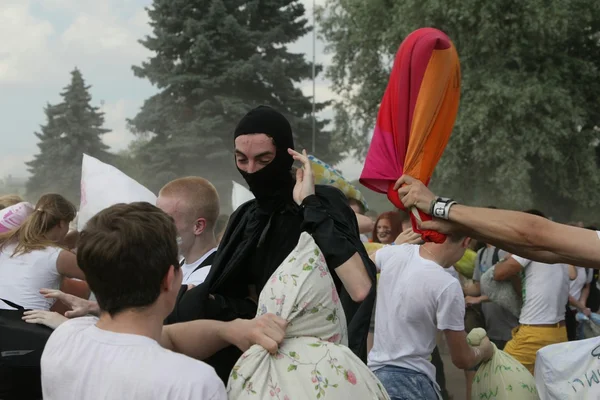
(415,298)
(22,277)
(453,272)
(576,285)
(545,292)
(81,361)
(191,277)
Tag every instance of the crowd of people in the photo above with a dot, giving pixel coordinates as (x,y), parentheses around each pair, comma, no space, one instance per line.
(297,295)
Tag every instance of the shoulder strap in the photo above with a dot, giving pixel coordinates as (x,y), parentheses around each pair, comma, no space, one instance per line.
(208,261)
(496,256)
(480,258)
(14,305)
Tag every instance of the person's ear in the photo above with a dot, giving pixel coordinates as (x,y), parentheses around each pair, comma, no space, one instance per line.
(199,226)
(170,279)
(466,242)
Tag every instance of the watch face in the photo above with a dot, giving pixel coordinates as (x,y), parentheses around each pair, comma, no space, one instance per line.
(439,210)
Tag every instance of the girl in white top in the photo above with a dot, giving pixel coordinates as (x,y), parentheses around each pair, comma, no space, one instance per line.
(31,257)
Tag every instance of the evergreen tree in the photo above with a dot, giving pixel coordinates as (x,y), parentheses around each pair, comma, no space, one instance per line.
(73,127)
(214,61)
(527,130)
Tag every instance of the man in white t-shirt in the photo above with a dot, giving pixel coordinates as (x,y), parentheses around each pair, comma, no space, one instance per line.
(129,255)
(415,298)
(545,293)
(193,203)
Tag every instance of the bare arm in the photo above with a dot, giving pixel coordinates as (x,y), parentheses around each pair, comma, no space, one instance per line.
(66,265)
(579,305)
(530,236)
(202,338)
(585,293)
(572,272)
(507,269)
(464,356)
(473,289)
(472,300)
(365,224)
(353,275)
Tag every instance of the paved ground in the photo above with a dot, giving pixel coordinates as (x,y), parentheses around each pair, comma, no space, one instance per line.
(455,378)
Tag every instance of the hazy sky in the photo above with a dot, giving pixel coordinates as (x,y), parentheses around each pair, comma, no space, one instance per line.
(43,40)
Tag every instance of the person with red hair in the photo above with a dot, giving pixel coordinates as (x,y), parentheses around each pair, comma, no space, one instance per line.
(387,227)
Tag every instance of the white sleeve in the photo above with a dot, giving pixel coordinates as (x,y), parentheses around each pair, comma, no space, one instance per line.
(385,254)
(451,308)
(521,260)
(590,275)
(53,259)
(198,277)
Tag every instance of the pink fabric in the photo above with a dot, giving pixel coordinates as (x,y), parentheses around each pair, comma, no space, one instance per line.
(386,166)
(415,117)
(12,217)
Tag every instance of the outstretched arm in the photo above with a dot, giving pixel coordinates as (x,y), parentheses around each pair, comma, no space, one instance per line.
(203,338)
(530,236)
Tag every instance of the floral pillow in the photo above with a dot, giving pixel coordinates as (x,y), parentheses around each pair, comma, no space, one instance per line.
(313,360)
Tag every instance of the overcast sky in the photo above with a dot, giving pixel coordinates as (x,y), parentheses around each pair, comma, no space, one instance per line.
(43,40)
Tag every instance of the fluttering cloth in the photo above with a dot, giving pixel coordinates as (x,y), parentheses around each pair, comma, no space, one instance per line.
(313,361)
(416,116)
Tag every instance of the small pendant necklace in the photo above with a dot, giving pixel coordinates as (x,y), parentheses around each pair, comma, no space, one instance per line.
(433,258)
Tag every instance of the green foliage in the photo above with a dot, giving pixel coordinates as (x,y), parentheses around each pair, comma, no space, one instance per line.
(73,127)
(525,134)
(213,62)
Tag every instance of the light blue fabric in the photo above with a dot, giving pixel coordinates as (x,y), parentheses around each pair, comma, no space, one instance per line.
(406,384)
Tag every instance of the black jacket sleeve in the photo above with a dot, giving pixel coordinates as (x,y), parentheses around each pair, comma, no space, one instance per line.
(325,221)
(334,227)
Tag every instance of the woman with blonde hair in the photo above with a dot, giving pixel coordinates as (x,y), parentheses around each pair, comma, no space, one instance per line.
(9,200)
(32,256)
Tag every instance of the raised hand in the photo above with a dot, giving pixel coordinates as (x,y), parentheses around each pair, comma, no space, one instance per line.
(305,180)
(409,236)
(413,193)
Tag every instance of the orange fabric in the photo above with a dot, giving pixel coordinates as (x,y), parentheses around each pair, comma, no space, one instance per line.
(415,119)
(435,114)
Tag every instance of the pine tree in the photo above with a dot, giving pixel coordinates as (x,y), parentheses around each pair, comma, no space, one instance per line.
(73,127)
(214,61)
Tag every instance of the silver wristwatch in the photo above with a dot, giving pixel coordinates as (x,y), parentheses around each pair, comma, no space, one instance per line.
(440,208)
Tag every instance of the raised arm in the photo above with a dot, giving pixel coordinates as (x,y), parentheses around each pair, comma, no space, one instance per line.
(523,234)
(333,225)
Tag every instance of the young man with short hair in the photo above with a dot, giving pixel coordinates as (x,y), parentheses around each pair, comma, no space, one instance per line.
(415,298)
(129,255)
(193,203)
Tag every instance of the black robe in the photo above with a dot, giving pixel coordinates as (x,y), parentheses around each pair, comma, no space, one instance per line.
(255,243)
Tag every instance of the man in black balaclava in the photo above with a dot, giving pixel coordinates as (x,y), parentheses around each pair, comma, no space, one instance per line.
(262,232)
